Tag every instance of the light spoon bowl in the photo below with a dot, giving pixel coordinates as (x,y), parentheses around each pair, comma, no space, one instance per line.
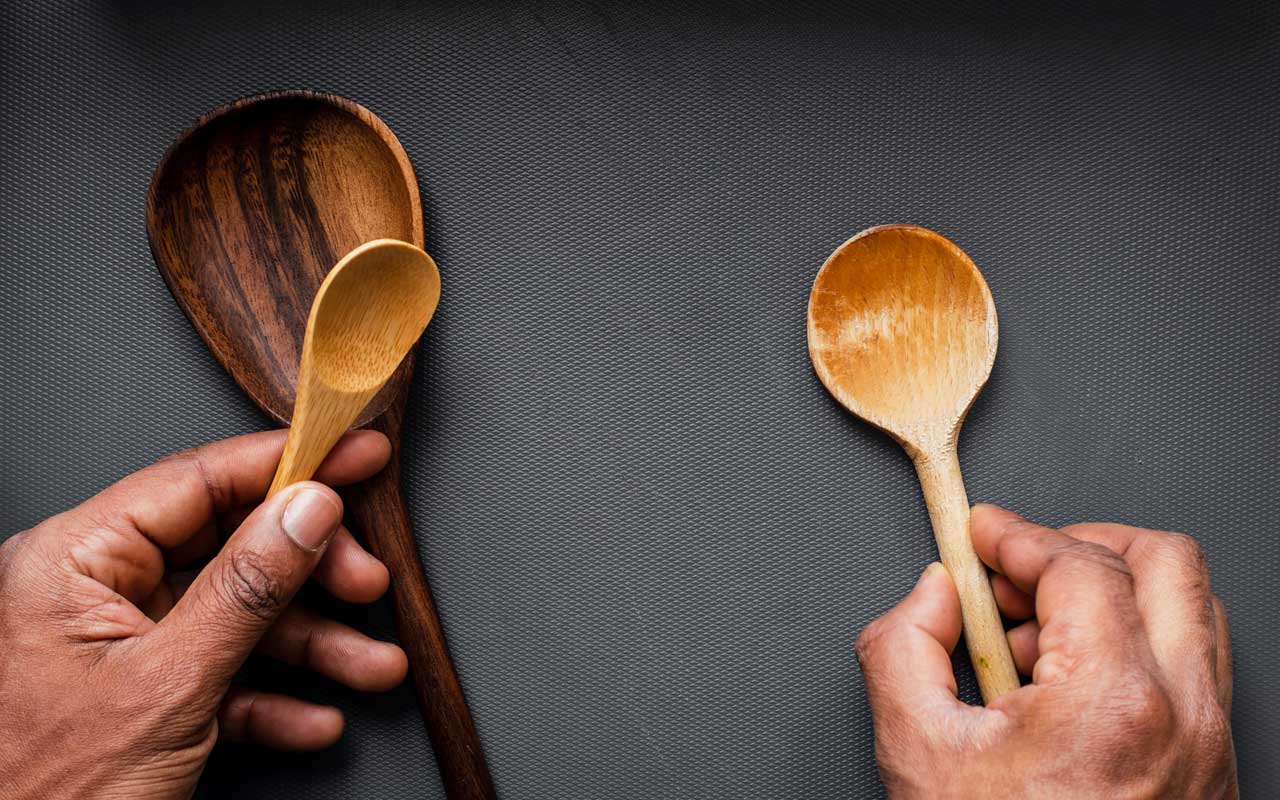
(902,331)
(367,316)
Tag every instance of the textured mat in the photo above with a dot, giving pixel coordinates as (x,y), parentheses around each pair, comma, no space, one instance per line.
(652,535)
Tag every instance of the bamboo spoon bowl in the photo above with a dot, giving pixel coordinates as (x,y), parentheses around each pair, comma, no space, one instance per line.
(367,316)
(247,213)
(902,331)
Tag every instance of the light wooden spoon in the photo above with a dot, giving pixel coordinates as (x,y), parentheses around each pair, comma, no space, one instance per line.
(902,331)
(366,317)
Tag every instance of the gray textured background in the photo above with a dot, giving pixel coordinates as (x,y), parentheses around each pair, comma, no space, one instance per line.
(653,537)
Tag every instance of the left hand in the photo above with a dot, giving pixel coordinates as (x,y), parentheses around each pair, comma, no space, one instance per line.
(116,677)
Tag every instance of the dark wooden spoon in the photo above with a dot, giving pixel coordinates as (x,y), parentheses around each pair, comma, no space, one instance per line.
(246,214)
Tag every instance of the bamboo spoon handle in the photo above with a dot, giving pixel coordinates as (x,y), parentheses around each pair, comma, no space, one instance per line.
(948,504)
(377,506)
(378,509)
(321,417)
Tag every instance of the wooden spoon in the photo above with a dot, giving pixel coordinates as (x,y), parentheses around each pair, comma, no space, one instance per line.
(246,214)
(902,331)
(366,317)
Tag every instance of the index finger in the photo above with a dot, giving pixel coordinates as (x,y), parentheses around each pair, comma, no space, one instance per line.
(172,499)
(1084,595)
(1171,580)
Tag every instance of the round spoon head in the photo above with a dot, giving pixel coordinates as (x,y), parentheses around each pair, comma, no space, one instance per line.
(902,331)
(252,207)
(368,314)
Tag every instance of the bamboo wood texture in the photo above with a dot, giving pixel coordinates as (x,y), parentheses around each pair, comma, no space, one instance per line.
(367,316)
(246,214)
(902,331)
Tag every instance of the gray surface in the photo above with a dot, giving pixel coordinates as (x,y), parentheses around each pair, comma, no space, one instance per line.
(652,535)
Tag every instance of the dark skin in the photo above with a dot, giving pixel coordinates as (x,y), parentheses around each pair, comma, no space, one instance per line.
(119,659)
(119,662)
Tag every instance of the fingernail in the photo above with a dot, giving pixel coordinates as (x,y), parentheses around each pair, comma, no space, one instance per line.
(310,518)
(929,570)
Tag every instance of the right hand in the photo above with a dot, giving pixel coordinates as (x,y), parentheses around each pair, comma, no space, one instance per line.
(1130,666)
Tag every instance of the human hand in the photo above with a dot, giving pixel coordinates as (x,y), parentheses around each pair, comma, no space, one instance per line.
(116,673)
(1129,658)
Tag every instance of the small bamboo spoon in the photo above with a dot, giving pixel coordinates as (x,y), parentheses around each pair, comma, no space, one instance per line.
(902,331)
(366,317)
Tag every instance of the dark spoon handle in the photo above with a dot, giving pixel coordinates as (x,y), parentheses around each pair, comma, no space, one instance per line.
(377,507)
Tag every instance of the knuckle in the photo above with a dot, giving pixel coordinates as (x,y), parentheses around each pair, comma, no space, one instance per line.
(1142,706)
(1185,550)
(1020,525)
(32,567)
(1021,528)
(251,587)
(1016,531)
(1151,704)
(1086,556)
(868,641)
(192,462)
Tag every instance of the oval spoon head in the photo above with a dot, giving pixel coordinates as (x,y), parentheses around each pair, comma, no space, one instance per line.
(368,314)
(252,207)
(902,331)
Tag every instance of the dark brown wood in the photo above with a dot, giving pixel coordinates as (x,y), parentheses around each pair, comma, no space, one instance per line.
(378,508)
(246,214)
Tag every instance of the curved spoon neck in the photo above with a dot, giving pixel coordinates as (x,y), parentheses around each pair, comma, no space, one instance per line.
(940,449)
(934,465)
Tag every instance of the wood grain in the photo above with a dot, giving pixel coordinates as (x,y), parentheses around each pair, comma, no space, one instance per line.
(367,315)
(902,331)
(246,214)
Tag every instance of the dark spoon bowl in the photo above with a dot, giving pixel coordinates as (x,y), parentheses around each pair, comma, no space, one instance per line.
(253,206)
(247,213)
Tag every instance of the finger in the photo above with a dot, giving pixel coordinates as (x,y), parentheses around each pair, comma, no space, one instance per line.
(1223,663)
(241,592)
(1171,584)
(346,570)
(305,639)
(1024,643)
(906,654)
(274,720)
(118,536)
(349,572)
(173,498)
(1012,601)
(1084,594)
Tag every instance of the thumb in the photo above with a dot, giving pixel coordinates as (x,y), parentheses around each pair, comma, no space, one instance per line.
(239,594)
(906,654)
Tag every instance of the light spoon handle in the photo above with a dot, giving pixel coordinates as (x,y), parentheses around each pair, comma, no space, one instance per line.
(367,315)
(321,416)
(944,493)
